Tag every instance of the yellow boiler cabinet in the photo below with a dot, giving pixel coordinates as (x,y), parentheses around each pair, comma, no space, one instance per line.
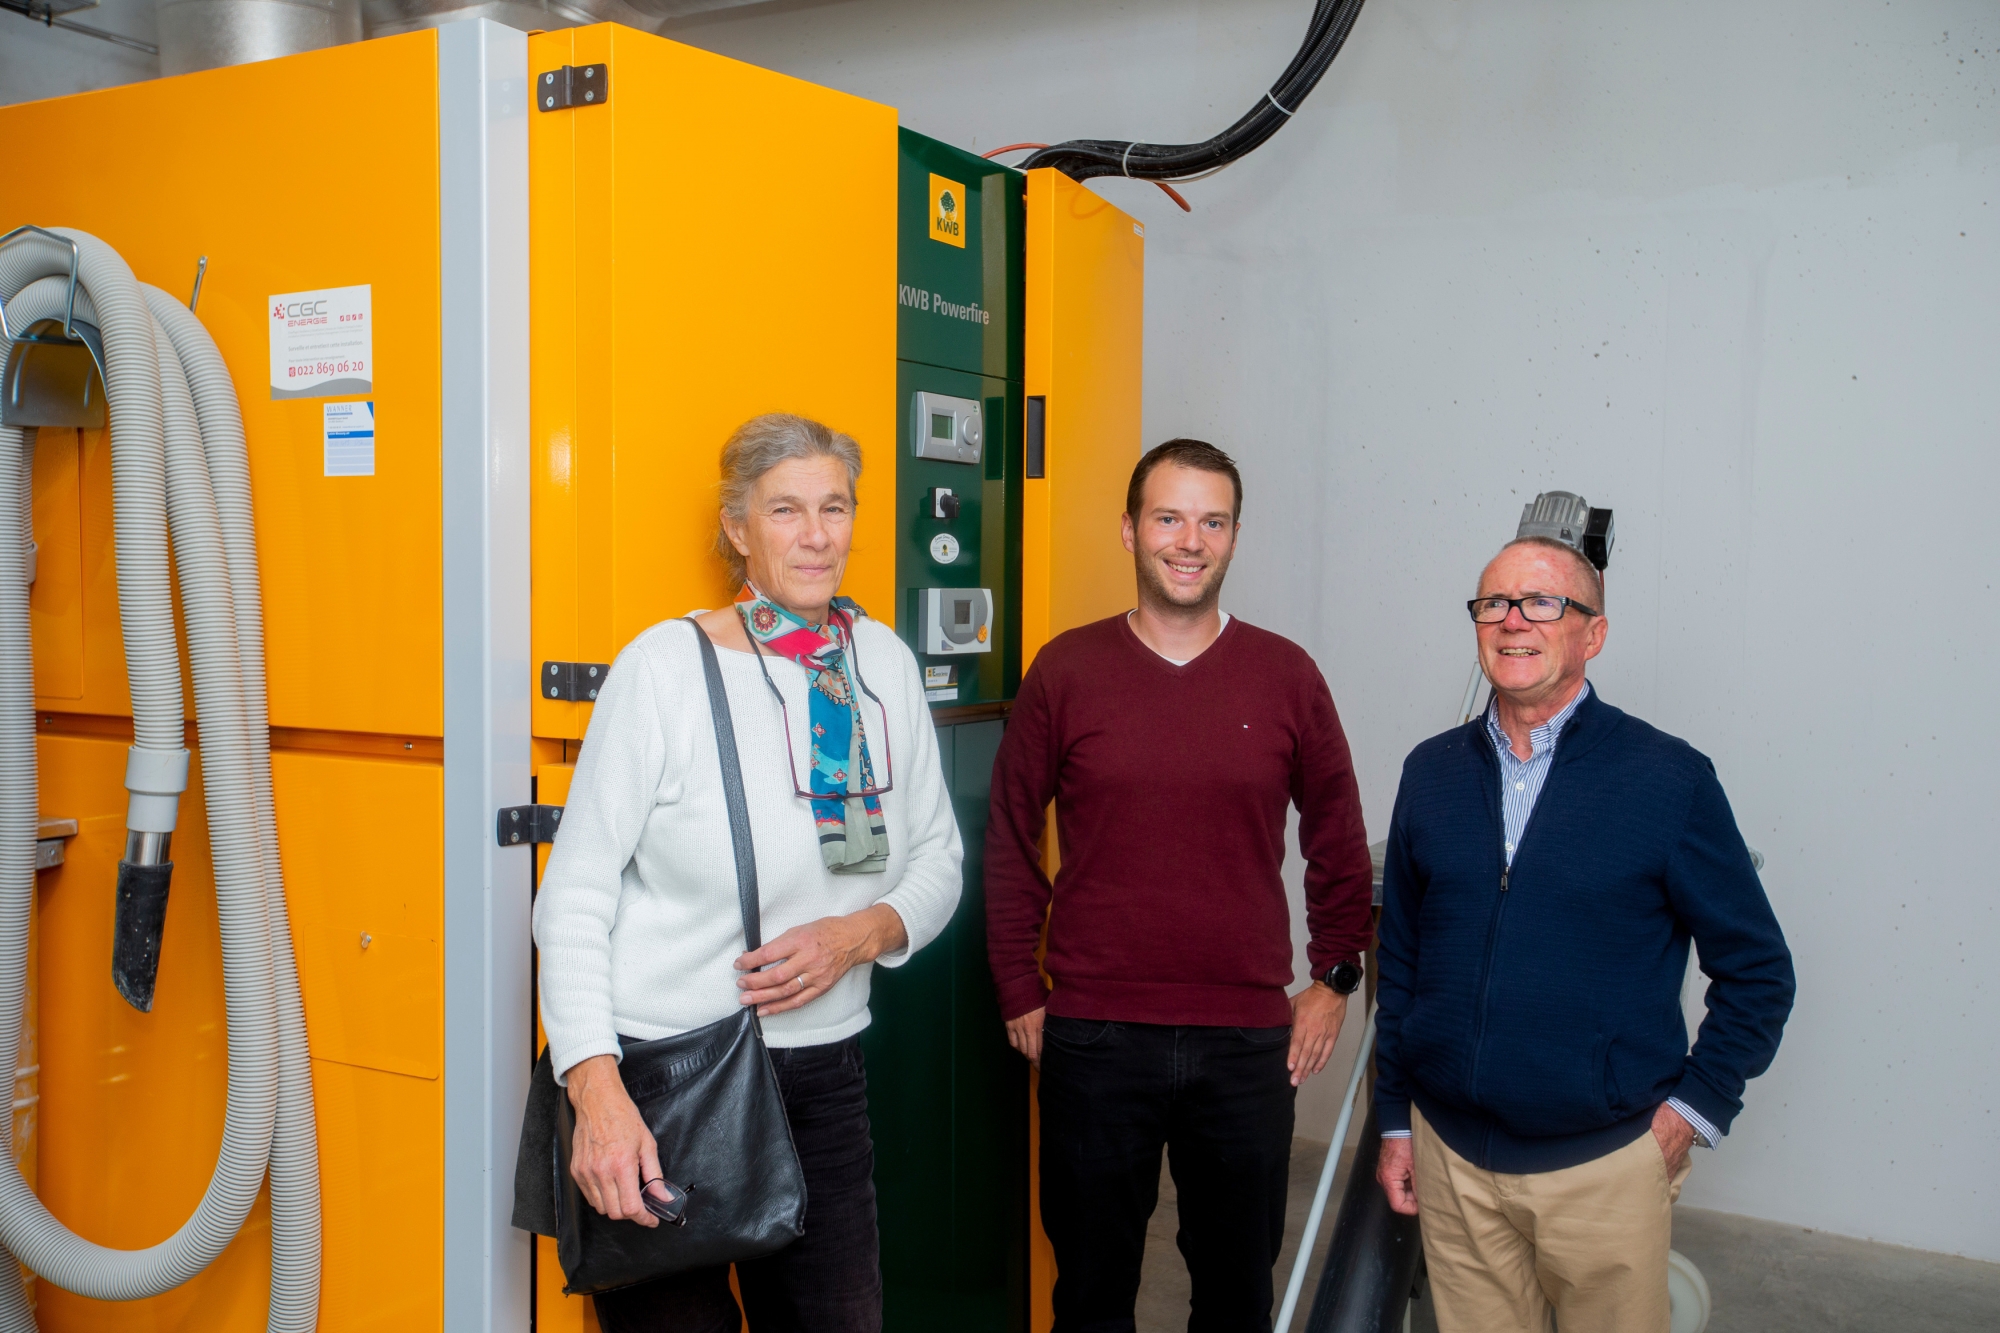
(397,638)
(571,307)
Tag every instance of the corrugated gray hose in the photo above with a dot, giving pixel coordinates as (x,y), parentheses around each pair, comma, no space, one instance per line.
(178,462)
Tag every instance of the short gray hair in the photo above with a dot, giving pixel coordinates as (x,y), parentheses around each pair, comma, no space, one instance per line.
(1589,573)
(760,444)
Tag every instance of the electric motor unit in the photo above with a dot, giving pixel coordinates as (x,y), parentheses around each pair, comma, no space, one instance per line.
(1566,517)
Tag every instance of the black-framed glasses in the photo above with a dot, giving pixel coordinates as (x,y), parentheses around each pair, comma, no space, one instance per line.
(670,1208)
(854,674)
(1540,609)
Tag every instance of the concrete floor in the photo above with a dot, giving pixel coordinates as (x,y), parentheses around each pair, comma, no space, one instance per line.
(1764,1277)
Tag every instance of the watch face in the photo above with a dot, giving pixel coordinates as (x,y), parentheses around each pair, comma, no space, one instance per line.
(1343,978)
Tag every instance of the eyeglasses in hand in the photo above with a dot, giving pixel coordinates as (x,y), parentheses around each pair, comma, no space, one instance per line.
(670,1204)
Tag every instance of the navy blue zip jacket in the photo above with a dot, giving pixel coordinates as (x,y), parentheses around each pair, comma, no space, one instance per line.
(1533,1014)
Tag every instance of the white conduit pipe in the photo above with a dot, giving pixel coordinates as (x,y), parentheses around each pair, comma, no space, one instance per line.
(178,456)
(1306,1242)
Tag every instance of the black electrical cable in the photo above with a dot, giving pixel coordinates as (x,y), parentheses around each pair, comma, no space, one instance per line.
(1080,159)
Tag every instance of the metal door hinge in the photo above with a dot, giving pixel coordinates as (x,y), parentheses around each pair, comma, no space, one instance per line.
(521,824)
(577,682)
(573,85)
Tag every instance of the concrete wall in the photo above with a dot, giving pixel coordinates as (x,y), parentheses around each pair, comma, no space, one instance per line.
(37,61)
(1732,269)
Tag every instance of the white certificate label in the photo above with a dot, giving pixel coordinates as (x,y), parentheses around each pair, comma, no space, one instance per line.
(350,439)
(323,343)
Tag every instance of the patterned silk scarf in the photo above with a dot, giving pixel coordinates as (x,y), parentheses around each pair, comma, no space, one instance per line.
(852,836)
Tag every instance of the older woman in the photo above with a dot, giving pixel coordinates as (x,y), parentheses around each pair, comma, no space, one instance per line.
(637,918)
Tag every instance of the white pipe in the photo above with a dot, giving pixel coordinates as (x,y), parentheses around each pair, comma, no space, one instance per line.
(1304,1258)
(177,458)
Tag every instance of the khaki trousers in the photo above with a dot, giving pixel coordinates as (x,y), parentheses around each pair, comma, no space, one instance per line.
(1585,1247)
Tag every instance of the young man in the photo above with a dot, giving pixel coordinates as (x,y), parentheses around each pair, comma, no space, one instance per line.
(1172,739)
(1547,865)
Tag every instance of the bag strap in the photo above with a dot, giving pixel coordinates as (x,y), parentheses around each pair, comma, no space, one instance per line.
(732,791)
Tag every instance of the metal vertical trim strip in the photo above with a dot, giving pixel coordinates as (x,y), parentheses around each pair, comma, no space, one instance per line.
(483,241)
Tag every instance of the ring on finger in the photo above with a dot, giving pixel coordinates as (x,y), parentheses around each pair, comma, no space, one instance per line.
(801,979)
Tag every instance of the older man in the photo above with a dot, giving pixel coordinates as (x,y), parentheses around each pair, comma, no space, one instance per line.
(1547,866)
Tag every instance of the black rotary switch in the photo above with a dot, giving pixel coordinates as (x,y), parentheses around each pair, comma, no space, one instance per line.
(943,503)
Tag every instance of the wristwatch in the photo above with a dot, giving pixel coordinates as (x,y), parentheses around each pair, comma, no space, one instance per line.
(1342,978)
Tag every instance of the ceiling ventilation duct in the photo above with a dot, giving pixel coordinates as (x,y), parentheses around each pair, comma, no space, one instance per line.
(204,34)
(392,16)
(386,17)
(674,9)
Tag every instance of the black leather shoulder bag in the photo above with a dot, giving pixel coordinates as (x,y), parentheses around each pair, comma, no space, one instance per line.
(711,1099)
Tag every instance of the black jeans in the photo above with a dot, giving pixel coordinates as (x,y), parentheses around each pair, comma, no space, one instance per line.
(829,1280)
(1219,1100)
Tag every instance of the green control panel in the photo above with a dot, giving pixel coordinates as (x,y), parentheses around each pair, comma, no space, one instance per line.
(960,280)
(947,1097)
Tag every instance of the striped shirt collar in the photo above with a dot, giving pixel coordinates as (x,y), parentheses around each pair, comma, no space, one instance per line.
(1543,738)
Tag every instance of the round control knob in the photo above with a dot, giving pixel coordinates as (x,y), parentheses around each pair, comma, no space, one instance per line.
(969,429)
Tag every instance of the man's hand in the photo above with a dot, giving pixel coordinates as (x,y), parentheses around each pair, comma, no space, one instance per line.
(1317,1013)
(1024,1034)
(613,1151)
(1674,1135)
(1396,1172)
(804,963)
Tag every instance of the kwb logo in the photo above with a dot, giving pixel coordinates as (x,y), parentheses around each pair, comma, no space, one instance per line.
(947,211)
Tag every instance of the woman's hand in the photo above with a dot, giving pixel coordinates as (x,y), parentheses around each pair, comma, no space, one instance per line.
(613,1150)
(804,963)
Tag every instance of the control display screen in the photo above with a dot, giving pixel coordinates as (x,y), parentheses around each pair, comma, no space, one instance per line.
(942,426)
(961,611)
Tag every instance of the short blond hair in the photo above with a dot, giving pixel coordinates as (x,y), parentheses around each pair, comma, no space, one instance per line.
(760,444)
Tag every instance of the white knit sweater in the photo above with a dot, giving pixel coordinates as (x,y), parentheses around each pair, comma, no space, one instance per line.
(637,917)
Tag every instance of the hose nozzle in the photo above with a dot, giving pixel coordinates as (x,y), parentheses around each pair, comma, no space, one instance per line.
(141,921)
(155,779)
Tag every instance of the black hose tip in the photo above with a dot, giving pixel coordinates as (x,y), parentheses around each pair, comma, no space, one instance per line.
(135,937)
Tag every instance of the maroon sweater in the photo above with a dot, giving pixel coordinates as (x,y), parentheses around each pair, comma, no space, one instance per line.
(1171,786)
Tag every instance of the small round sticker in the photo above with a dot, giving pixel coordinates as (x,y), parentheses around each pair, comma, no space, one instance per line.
(944,548)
